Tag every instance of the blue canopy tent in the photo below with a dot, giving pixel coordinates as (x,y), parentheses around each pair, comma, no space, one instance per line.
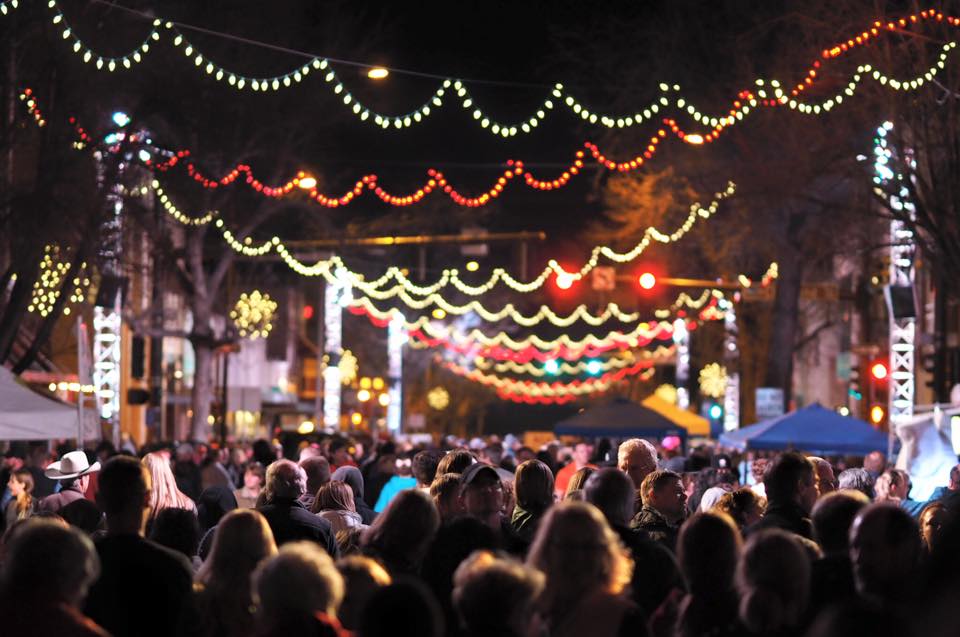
(812,429)
(619,418)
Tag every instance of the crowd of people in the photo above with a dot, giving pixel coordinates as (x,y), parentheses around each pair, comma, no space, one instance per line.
(341,537)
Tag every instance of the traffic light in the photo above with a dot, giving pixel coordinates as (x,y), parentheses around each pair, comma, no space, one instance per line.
(716,411)
(879,371)
(877,414)
(854,388)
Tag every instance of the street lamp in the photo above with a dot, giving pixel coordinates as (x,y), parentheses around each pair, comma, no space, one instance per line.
(377,73)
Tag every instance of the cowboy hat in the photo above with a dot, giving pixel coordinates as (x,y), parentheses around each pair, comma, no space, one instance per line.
(73,465)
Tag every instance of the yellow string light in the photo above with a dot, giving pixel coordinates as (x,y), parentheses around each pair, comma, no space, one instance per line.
(541,389)
(174,212)
(565,368)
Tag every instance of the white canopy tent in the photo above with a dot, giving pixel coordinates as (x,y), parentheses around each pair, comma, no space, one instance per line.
(26,415)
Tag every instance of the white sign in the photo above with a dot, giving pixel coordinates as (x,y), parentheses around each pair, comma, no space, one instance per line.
(769,403)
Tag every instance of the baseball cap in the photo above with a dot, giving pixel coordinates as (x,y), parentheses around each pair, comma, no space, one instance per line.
(477,469)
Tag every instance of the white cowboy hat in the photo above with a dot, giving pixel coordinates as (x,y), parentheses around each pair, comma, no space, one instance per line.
(73,465)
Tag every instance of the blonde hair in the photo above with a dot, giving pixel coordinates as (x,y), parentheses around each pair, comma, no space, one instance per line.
(164,493)
(334,496)
(300,577)
(242,539)
(579,554)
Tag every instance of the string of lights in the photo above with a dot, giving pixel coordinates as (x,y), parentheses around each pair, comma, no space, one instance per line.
(324,66)
(557,368)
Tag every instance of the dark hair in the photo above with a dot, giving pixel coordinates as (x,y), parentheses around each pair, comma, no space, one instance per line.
(655,481)
(534,486)
(83,514)
(708,548)
(403,608)
(785,474)
(856,479)
(425,465)
(122,485)
(256,468)
(455,461)
(317,469)
(832,516)
(177,529)
(737,504)
(611,491)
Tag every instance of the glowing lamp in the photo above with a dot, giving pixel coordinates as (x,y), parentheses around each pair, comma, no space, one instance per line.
(716,411)
(378,73)
(307,183)
(356,418)
(694,138)
(472,266)
(876,414)
(565,280)
(363,395)
(439,313)
(594,367)
(307,312)
(383,399)
(879,371)
(306,427)
(551,366)
(120,118)
(647,280)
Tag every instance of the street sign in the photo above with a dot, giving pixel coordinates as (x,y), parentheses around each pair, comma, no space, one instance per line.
(769,403)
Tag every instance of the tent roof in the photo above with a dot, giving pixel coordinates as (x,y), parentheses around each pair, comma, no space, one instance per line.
(813,429)
(26,415)
(620,418)
(694,424)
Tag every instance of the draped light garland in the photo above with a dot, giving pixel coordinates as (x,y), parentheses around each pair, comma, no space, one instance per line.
(558,368)
(558,95)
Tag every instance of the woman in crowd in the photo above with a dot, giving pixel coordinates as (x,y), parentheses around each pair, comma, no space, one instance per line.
(534,486)
(400,536)
(587,571)
(353,478)
(164,493)
(334,503)
(744,506)
(575,486)
(362,577)
(708,549)
(242,539)
(932,519)
(22,504)
(253,479)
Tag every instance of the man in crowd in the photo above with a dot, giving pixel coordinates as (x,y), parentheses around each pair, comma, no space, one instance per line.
(637,458)
(582,451)
(664,505)
(288,518)
(791,487)
(826,481)
(424,468)
(885,552)
(832,574)
(952,487)
(481,494)
(144,589)
(73,471)
(317,469)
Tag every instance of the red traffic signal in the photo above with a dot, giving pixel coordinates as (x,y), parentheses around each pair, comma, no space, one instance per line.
(647,280)
(879,371)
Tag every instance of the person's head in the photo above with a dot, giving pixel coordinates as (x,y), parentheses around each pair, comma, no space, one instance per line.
(534,486)
(254,476)
(425,467)
(285,481)
(362,577)
(481,492)
(773,579)
(744,506)
(832,516)
(317,470)
(177,529)
(334,496)
(402,608)
(791,479)
(712,496)
(525,453)
(613,493)
(932,519)
(455,461)
(353,479)
(339,451)
(955,478)
(856,479)
(875,462)
(577,480)
(493,453)
(892,486)
(124,494)
(708,549)
(242,539)
(637,458)
(163,492)
(581,453)
(300,579)
(405,528)
(663,491)
(884,549)
(495,596)
(445,491)
(48,561)
(579,554)
(826,481)
(213,504)
(758,469)
(20,483)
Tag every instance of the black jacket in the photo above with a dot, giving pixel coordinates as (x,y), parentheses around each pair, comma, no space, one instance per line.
(787,516)
(652,522)
(290,521)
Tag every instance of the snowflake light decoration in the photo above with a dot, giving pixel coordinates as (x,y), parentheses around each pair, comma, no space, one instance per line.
(667,393)
(348,367)
(713,380)
(438,398)
(253,314)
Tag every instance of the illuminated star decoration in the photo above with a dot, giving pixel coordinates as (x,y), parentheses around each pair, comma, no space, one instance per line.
(348,367)
(666,393)
(438,398)
(253,314)
(713,380)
